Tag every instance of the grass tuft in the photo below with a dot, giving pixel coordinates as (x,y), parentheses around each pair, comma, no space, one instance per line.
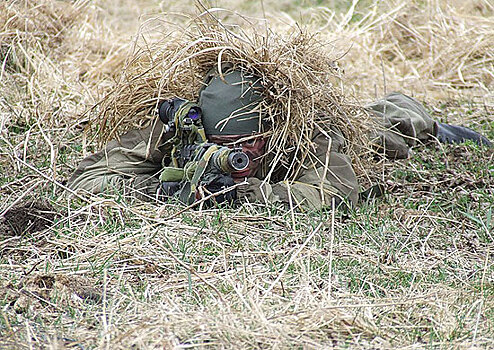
(411,270)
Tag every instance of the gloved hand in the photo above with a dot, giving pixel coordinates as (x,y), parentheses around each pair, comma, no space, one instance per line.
(220,183)
(169,188)
(254,192)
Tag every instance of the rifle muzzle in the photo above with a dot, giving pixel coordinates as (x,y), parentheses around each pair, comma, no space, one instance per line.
(238,160)
(230,160)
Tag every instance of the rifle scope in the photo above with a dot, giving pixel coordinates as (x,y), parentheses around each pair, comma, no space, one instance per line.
(168,108)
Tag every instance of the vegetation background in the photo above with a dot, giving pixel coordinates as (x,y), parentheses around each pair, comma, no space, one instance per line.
(412,270)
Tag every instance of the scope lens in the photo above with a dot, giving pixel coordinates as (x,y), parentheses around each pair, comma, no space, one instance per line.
(194,113)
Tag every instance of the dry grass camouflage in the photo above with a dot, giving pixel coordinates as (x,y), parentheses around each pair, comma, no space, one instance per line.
(411,270)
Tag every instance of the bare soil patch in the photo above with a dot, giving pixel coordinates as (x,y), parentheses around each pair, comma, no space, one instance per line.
(27,218)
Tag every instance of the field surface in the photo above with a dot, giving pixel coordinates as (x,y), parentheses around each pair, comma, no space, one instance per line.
(411,270)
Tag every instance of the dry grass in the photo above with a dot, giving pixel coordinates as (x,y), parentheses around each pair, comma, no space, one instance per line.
(411,271)
(420,47)
(57,58)
(229,278)
(298,72)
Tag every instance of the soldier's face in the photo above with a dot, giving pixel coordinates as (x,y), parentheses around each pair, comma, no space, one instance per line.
(252,146)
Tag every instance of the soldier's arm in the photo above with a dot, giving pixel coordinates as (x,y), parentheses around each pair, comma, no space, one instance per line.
(328,174)
(128,166)
(404,122)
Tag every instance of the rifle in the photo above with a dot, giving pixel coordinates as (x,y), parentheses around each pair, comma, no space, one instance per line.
(194,161)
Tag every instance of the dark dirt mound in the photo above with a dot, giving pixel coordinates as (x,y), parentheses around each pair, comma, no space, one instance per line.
(26,218)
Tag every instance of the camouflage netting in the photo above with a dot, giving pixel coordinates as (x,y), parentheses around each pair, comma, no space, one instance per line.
(303,85)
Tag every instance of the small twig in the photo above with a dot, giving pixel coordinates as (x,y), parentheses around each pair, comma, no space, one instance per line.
(330,277)
(352,306)
(326,167)
(290,202)
(7,323)
(24,194)
(43,300)
(53,154)
(28,335)
(32,268)
(51,180)
(481,304)
(384,77)
(104,321)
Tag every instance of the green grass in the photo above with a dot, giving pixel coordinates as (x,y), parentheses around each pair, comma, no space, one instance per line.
(411,269)
(418,255)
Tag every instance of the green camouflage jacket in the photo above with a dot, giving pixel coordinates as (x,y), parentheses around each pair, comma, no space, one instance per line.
(132,164)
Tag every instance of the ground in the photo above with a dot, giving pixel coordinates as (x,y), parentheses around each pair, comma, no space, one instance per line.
(413,269)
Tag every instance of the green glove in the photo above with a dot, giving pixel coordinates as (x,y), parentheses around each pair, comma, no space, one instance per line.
(255,191)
